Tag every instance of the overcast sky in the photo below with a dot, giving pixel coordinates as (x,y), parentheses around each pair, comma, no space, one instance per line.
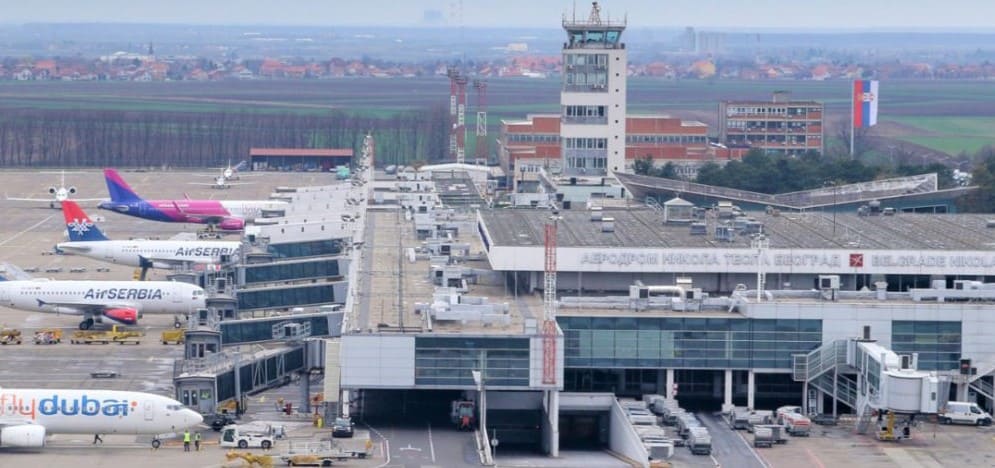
(827,14)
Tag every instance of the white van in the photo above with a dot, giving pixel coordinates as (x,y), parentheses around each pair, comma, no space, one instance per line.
(962,412)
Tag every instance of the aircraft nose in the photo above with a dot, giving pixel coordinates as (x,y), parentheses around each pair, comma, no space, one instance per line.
(191,417)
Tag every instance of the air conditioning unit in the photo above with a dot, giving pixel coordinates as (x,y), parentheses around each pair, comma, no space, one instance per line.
(829,282)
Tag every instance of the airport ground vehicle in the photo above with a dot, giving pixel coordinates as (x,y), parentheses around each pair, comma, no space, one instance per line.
(699,441)
(964,412)
(766,435)
(172,336)
(114,335)
(342,427)
(321,453)
(48,336)
(244,436)
(10,336)
(462,414)
(221,420)
(794,422)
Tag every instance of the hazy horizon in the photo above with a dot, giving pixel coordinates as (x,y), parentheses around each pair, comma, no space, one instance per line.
(788,15)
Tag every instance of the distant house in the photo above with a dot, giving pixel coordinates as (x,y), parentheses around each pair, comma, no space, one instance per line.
(24,74)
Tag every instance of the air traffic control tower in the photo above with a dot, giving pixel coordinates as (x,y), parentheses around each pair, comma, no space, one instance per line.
(593,96)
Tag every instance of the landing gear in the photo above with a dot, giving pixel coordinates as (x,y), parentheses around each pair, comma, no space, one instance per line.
(86,324)
(156,443)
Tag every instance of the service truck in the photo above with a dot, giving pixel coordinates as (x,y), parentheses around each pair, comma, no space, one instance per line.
(699,441)
(963,412)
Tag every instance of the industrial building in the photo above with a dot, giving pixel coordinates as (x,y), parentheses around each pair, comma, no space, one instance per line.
(527,146)
(778,126)
(298,159)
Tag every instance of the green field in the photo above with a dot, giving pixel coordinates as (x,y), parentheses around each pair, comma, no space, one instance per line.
(946,116)
(950,134)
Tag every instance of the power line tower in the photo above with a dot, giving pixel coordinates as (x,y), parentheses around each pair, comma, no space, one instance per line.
(549,305)
(457,114)
(481,144)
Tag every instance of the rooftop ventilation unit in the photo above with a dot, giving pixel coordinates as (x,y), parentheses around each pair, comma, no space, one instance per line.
(725,233)
(699,229)
(607,224)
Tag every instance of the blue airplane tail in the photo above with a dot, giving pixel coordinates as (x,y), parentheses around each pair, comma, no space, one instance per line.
(78,224)
(119,190)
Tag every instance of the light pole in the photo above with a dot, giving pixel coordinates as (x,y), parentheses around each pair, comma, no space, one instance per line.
(835,185)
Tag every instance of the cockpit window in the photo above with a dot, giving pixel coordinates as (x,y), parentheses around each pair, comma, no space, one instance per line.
(174,407)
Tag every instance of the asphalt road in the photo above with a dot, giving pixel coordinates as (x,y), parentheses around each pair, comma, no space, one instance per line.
(427,446)
(730,448)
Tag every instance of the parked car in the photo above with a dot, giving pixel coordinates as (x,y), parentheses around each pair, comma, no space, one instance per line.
(342,427)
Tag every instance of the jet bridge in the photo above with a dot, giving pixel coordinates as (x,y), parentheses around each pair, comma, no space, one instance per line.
(875,382)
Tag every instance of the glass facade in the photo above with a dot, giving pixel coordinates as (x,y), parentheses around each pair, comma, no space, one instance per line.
(692,343)
(271,273)
(251,331)
(306,249)
(448,361)
(938,343)
(286,297)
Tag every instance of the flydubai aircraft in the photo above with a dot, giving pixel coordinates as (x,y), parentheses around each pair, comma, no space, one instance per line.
(120,302)
(27,416)
(228,215)
(86,239)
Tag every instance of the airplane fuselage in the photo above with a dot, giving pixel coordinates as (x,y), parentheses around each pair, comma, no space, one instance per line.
(193,211)
(95,411)
(156,253)
(146,297)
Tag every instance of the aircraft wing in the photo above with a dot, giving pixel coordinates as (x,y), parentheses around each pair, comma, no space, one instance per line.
(30,199)
(75,248)
(13,420)
(87,199)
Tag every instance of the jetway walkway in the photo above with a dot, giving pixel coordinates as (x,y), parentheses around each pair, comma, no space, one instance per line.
(872,380)
(204,382)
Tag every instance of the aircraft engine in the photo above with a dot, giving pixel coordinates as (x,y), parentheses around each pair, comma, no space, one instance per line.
(72,190)
(24,435)
(52,190)
(123,316)
(232,224)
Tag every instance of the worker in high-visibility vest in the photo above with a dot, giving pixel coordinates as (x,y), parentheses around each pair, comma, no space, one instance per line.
(186,440)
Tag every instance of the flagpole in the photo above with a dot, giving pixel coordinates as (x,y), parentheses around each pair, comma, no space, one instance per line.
(852,123)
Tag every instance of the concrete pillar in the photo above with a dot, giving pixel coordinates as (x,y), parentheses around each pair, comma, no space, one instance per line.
(669,389)
(554,423)
(750,389)
(805,407)
(962,391)
(727,398)
(836,377)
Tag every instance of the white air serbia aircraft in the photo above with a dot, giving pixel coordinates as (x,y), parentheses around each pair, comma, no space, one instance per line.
(86,239)
(121,302)
(28,415)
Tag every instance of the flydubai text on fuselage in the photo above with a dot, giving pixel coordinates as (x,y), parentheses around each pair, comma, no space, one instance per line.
(86,239)
(120,302)
(28,415)
(226,214)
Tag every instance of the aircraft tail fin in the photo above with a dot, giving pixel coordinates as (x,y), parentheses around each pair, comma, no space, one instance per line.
(119,190)
(78,224)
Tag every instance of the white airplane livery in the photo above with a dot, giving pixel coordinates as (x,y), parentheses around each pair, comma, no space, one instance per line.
(121,302)
(86,239)
(27,416)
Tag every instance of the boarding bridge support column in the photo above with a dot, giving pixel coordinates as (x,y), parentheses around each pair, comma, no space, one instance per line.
(553,420)
(727,394)
(669,390)
(962,389)
(751,388)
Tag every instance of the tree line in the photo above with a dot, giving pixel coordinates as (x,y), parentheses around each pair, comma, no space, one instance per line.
(766,173)
(107,138)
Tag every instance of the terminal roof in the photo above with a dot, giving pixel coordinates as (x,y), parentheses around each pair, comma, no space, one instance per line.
(644,228)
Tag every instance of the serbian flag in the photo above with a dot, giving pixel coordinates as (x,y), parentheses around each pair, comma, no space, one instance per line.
(865,103)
